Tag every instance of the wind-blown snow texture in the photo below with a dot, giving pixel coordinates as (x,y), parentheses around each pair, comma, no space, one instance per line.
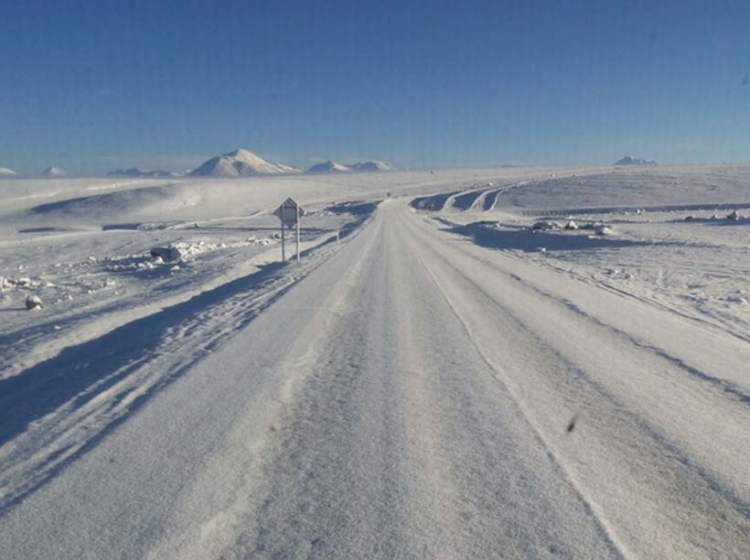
(431,385)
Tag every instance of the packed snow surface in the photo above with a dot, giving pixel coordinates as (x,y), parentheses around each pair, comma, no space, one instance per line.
(436,377)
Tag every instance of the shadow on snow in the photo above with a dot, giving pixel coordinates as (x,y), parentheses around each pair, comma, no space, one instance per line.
(485,235)
(79,374)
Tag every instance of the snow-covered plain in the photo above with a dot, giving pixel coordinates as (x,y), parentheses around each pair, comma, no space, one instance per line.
(436,378)
(678,237)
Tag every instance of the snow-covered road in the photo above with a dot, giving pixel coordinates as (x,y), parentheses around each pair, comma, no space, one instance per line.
(419,396)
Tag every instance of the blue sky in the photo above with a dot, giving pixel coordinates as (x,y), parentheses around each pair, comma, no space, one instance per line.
(96,85)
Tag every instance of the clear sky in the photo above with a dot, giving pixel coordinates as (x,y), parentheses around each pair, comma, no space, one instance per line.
(94,85)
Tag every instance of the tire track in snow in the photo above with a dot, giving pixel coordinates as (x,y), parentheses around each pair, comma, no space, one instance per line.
(606,527)
(329,492)
(658,441)
(731,389)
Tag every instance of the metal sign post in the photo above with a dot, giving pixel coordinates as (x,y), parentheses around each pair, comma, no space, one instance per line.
(298,221)
(290,214)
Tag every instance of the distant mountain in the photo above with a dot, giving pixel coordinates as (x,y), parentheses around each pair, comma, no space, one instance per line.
(7,172)
(627,160)
(54,172)
(137,172)
(240,163)
(335,167)
(329,167)
(371,166)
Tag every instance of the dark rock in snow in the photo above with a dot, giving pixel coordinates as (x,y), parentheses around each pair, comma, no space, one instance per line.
(33,303)
(166,253)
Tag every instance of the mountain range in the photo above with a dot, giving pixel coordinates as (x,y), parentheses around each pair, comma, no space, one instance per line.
(54,171)
(628,160)
(137,172)
(336,167)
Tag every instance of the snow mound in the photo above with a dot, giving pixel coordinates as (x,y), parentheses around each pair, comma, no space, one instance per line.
(240,163)
(112,207)
(545,225)
(34,303)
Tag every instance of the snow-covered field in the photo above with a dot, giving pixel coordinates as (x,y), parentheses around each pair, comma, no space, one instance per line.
(83,245)
(449,372)
(678,237)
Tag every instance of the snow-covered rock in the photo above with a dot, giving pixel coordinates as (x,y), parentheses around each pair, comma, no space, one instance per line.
(733,215)
(166,253)
(571,225)
(545,225)
(34,303)
(240,163)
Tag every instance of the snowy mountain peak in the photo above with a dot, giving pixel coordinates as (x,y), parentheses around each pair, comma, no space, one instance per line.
(329,167)
(629,160)
(138,172)
(54,171)
(240,163)
(372,166)
(336,167)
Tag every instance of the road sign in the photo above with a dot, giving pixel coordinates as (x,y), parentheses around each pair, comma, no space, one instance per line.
(289,212)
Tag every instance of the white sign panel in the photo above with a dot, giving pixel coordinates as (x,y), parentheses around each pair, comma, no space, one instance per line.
(289,212)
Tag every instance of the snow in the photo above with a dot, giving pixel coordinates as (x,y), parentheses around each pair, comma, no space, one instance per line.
(6,171)
(137,172)
(371,166)
(451,382)
(336,167)
(54,172)
(329,167)
(239,163)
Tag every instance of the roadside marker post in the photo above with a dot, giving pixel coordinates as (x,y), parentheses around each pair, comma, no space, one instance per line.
(290,214)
